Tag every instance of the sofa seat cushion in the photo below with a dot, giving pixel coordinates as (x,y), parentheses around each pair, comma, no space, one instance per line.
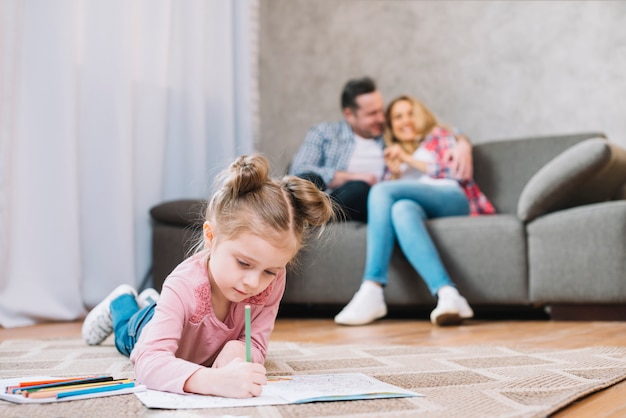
(589,172)
(329,269)
(485,256)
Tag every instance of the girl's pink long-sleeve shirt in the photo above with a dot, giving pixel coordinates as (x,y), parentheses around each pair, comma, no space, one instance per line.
(184,335)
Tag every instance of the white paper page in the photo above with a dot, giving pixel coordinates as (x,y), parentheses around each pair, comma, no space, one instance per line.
(167,400)
(308,388)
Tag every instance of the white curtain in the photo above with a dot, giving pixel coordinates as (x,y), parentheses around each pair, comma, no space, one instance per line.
(108,108)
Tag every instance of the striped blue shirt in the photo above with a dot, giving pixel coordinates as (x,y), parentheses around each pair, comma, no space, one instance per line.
(327,148)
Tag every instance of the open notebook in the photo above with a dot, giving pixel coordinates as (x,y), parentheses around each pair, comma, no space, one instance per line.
(283,390)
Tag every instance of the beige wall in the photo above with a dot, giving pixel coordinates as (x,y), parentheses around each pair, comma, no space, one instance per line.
(495,69)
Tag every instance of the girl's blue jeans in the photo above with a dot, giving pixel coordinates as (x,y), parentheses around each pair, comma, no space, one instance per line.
(128,321)
(397,211)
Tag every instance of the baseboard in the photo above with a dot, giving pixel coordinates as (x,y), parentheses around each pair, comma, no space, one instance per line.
(487,312)
(587,312)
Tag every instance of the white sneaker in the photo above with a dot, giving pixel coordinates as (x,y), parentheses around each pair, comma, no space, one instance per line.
(98,324)
(452,308)
(367,305)
(147,297)
(464,309)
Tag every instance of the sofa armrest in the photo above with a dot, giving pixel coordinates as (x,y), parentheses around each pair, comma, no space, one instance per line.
(177,226)
(183,212)
(578,255)
(589,172)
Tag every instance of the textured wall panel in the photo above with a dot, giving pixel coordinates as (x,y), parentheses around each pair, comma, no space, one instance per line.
(495,69)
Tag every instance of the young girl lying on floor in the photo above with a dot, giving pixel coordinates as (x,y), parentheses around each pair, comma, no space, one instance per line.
(193,339)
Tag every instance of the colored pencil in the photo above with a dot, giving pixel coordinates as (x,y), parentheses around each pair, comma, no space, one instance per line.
(96,390)
(277,378)
(76,386)
(51,381)
(248,326)
(62,384)
(79,388)
(26,384)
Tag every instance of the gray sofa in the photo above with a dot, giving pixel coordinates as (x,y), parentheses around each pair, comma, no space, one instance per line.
(558,242)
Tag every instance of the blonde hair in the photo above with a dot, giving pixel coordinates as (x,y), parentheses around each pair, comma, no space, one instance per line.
(249,200)
(424,121)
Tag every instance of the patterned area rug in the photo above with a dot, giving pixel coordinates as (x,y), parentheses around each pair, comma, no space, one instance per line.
(468,381)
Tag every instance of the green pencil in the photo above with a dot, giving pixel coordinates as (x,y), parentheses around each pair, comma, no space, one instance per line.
(248,348)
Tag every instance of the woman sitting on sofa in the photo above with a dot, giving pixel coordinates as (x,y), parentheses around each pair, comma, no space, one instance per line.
(421,187)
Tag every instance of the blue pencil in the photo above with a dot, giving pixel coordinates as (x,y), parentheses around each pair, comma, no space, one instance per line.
(95,390)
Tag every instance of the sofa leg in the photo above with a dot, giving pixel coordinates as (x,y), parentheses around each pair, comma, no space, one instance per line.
(587,312)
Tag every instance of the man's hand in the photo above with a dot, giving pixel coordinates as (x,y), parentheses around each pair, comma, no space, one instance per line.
(369,178)
(342,177)
(460,159)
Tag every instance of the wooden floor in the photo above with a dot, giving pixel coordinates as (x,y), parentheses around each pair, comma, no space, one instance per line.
(610,402)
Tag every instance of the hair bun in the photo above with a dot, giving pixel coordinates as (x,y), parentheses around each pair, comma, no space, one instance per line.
(247,174)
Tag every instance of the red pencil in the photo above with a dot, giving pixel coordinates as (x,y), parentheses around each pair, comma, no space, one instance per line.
(45,382)
(31,387)
(11,389)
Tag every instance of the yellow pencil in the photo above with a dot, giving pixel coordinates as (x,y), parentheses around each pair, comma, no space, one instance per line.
(277,378)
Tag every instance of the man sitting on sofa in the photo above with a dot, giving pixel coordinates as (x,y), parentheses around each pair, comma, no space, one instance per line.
(345,158)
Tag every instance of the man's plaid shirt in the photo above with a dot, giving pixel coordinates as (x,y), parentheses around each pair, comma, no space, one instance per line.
(327,148)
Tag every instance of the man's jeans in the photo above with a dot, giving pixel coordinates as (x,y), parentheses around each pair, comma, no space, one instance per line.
(351,197)
(128,321)
(398,210)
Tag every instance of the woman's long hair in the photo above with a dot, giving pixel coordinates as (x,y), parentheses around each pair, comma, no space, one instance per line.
(424,121)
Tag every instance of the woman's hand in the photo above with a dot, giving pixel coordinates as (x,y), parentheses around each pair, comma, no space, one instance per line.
(394,167)
(394,157)
(237,379)
(395,152)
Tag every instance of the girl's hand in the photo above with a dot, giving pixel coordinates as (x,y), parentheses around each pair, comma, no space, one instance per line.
(240,379)
(237,379)
(232,350)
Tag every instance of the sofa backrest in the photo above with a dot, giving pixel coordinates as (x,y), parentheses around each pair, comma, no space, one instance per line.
(502,168)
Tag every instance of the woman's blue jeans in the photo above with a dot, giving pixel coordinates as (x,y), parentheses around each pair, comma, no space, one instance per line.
(397,210)
(128,321)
